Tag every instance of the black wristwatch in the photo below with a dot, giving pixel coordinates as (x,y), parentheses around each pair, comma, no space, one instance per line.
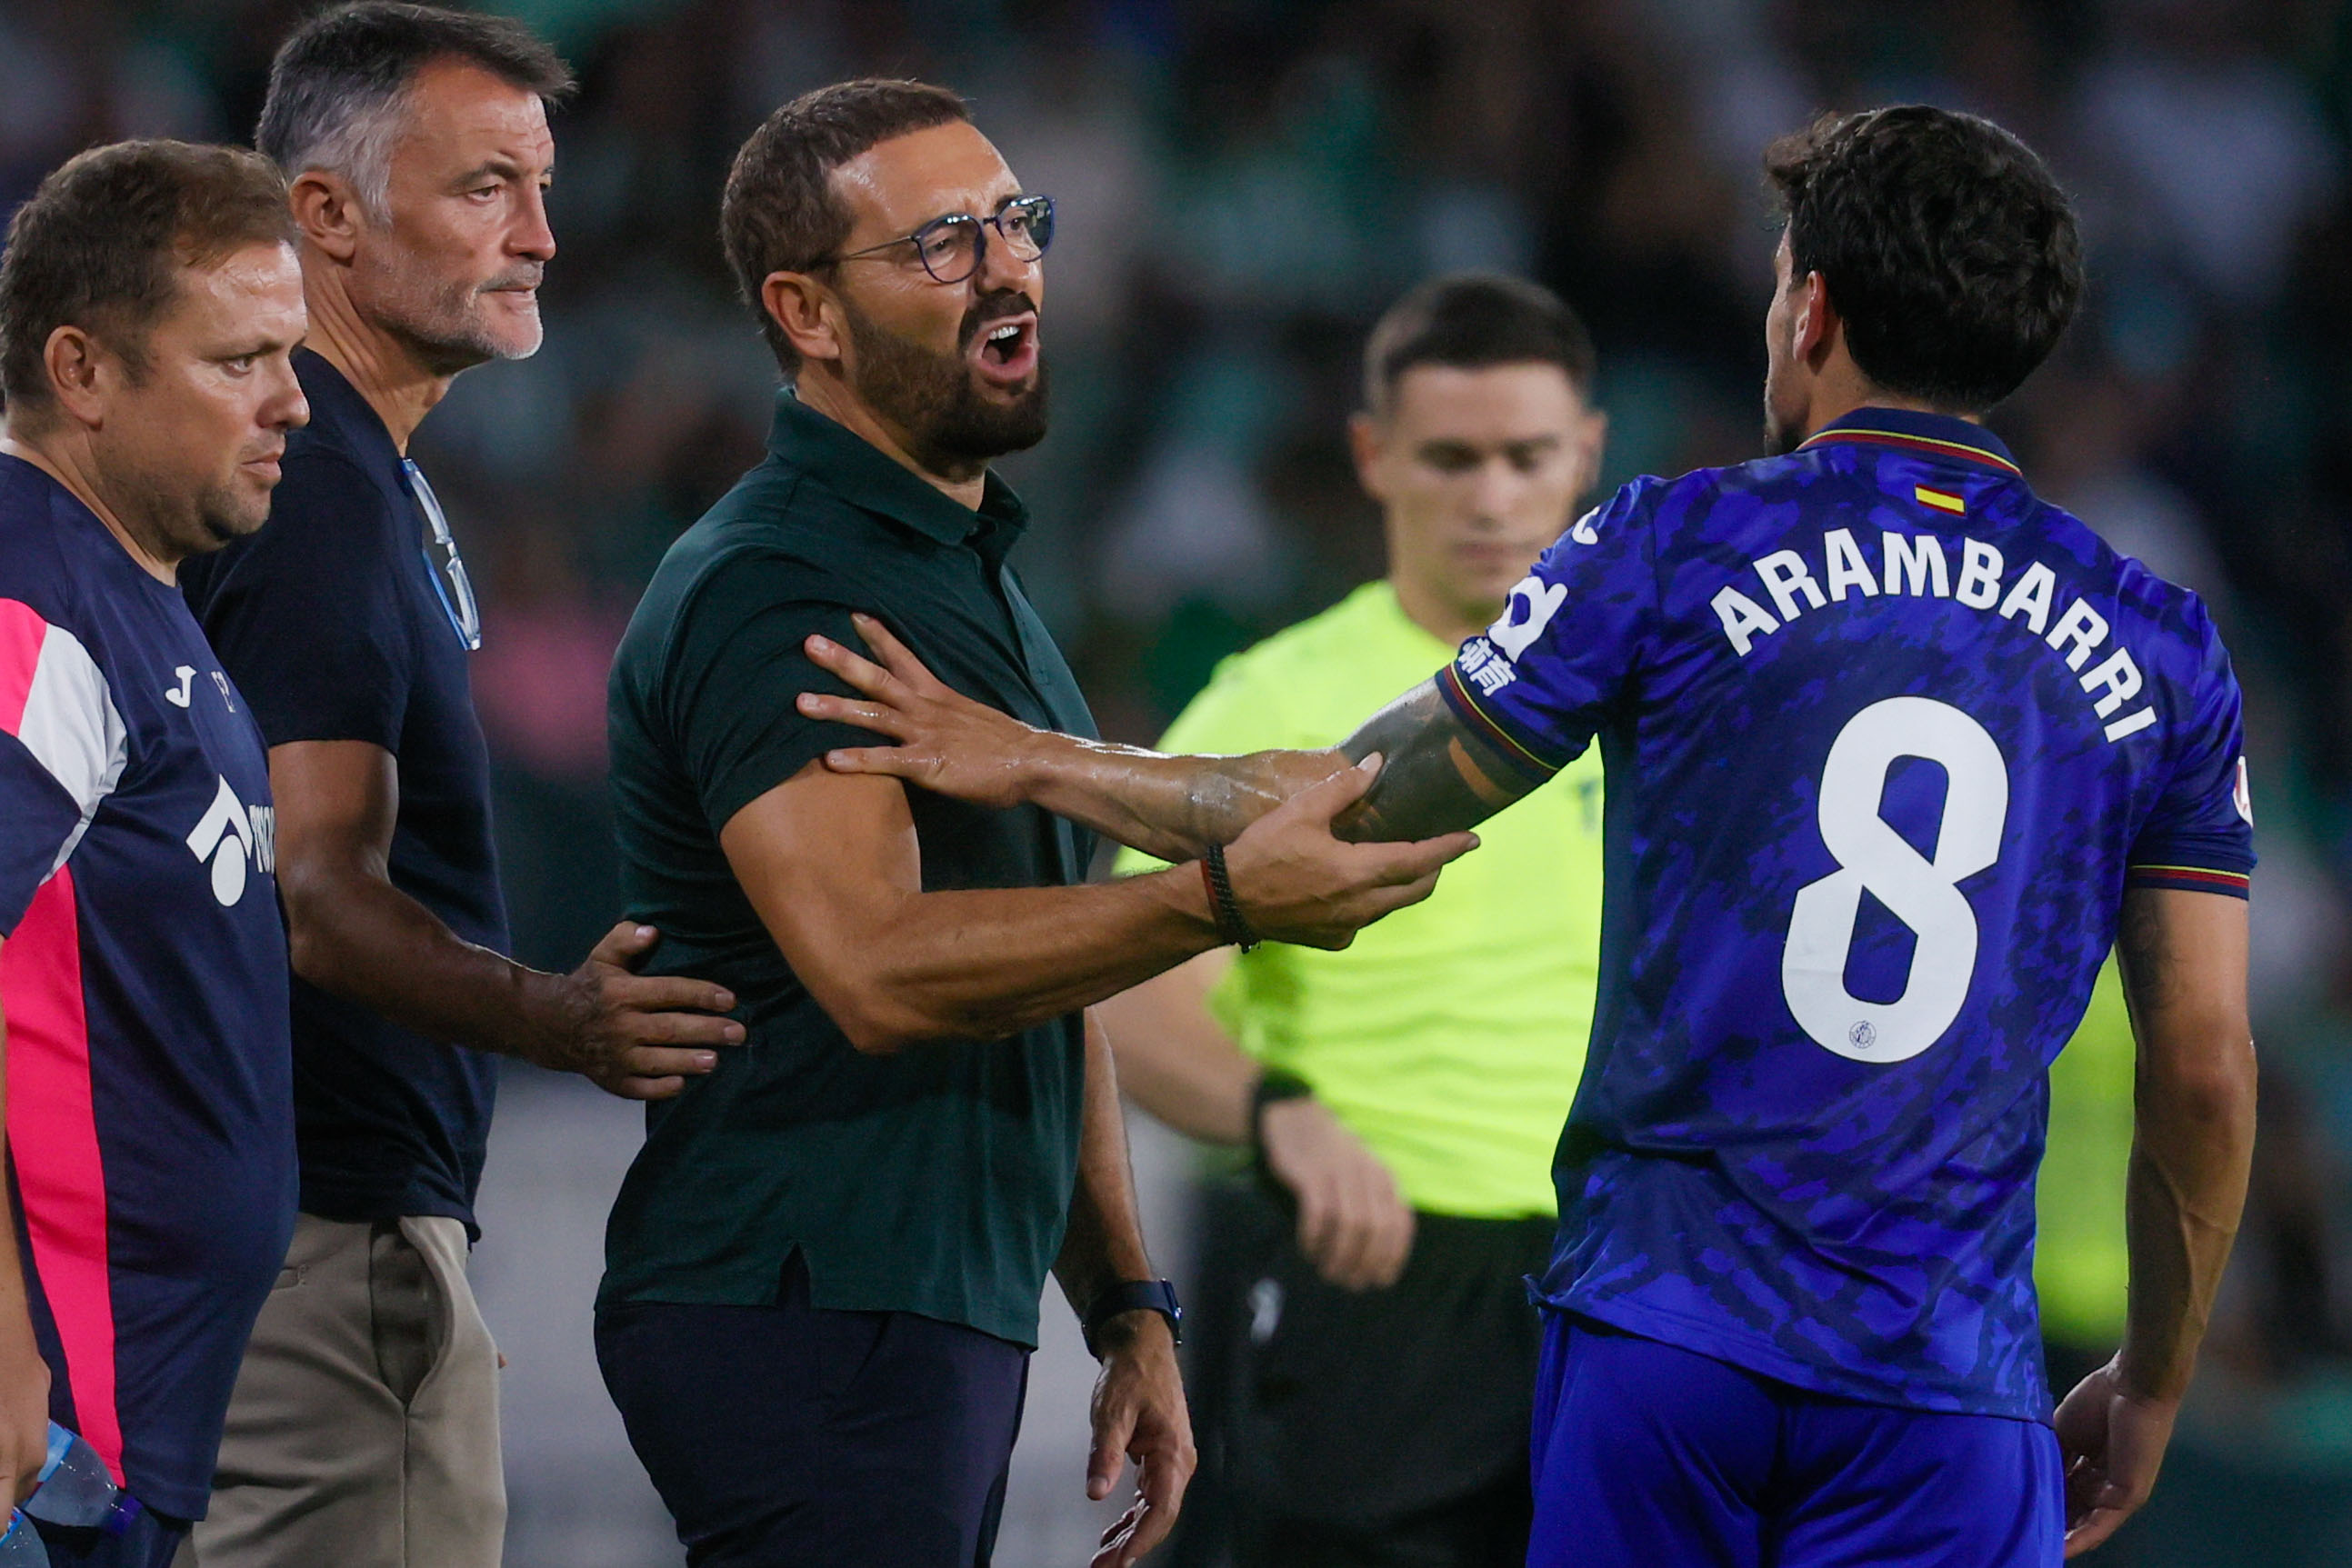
(1134,1296)
(1274,1084)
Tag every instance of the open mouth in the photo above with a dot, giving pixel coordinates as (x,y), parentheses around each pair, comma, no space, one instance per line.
(1005,351)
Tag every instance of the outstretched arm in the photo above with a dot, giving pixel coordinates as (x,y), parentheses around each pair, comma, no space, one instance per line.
(354,934)
(2184,964)
(833,866)
(1436,776)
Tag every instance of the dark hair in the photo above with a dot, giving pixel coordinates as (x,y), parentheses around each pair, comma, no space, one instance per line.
(1471,320)
(100,243)
(1950,251)
(781,212)
(336,86)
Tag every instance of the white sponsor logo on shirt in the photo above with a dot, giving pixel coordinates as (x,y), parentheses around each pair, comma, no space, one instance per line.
(232,835)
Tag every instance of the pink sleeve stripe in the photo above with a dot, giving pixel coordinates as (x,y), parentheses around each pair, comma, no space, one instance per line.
(22,631)
(53,1145)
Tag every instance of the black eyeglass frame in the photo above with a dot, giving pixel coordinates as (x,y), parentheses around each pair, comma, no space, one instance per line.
(1040,227)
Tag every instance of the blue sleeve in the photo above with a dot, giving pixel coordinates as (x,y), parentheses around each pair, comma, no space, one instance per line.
(1543,678)
(2200,836)
(307,615)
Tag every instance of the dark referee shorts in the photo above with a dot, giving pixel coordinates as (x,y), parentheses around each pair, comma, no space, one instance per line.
(796,1436)
(1364,1428)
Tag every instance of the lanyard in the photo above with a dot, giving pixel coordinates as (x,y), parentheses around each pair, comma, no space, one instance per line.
(442,564)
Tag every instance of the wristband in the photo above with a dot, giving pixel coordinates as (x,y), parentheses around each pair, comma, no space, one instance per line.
(1274,1084)
(1133,1296)
(1225,909)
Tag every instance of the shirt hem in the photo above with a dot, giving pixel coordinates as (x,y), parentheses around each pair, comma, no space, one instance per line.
(349,1207)
(689,1294)
(1751,1356)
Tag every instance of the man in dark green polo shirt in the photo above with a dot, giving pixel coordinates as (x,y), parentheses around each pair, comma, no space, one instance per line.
(823,1269)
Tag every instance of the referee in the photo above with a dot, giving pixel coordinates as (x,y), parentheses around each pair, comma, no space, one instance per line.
(1364,1345)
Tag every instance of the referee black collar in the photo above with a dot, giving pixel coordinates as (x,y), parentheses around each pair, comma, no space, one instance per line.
(863,475)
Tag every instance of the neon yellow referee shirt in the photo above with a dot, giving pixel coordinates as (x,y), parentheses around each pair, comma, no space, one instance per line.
(1450,1035)
(2081,1262)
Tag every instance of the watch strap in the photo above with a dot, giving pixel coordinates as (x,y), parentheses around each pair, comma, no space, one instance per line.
(1134,1296)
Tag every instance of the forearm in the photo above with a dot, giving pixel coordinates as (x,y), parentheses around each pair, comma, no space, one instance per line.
(1436,776)
(983,964)
(1171,807)
(20,1353)
(2184,969)
(357,936)
(1173,1059)
(2189,1162)
(1103,1244)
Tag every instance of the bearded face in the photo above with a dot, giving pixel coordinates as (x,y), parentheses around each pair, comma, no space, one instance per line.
(956,415)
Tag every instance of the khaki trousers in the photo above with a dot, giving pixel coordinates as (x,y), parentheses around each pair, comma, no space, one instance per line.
(364,1429)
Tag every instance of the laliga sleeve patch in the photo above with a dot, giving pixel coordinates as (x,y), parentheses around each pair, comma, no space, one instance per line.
(1532,605)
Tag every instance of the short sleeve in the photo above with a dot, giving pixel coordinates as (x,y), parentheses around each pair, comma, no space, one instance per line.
(2200,836)
(1543,678)
(736,667)
(308,615)
(63,747)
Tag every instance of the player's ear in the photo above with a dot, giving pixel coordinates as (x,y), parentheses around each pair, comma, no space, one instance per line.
(804,310)
(1366,444)
(327,210)
(81,372)
(1592,446)
(1814,321)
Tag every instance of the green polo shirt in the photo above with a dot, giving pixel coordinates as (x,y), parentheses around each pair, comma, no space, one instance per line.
(1450,1035)
(936,1181)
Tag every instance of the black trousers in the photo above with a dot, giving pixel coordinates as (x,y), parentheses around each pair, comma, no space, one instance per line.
(1374,1429)
(793,1436)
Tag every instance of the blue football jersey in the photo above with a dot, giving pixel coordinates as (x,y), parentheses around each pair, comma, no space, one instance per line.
(1887,736)
(144,989)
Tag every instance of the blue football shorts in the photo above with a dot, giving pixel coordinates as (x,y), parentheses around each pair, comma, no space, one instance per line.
(1650,1457)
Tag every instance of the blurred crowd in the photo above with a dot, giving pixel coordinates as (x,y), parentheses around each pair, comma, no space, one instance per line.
(1243,184)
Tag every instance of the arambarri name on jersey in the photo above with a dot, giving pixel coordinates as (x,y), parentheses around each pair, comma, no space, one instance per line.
(1887,735)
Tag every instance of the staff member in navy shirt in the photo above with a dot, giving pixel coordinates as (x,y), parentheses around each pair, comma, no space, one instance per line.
(364,1428)
(149,303)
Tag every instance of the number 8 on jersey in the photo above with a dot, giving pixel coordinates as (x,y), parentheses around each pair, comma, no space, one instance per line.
(1922,891)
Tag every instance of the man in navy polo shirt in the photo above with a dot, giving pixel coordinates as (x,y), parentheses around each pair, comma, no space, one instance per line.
(364,1432)
(149,304)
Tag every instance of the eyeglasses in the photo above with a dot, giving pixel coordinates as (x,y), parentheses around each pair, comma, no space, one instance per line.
(442,564)
(954,248)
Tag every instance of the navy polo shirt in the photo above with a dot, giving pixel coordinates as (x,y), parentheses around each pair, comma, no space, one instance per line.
(330,621)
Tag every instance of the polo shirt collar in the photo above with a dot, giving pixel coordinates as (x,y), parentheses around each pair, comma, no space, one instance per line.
(866,477)
(1931,434)
(339,413)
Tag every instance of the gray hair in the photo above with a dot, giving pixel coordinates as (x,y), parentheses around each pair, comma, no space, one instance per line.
(338,86)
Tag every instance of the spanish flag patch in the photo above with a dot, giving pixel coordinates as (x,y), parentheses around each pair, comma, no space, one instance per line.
(1942,500)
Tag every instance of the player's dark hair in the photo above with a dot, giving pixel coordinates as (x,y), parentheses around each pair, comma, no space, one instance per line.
(1471,321)
(336,86)
(101,244)
(1950,252)
(781,212)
